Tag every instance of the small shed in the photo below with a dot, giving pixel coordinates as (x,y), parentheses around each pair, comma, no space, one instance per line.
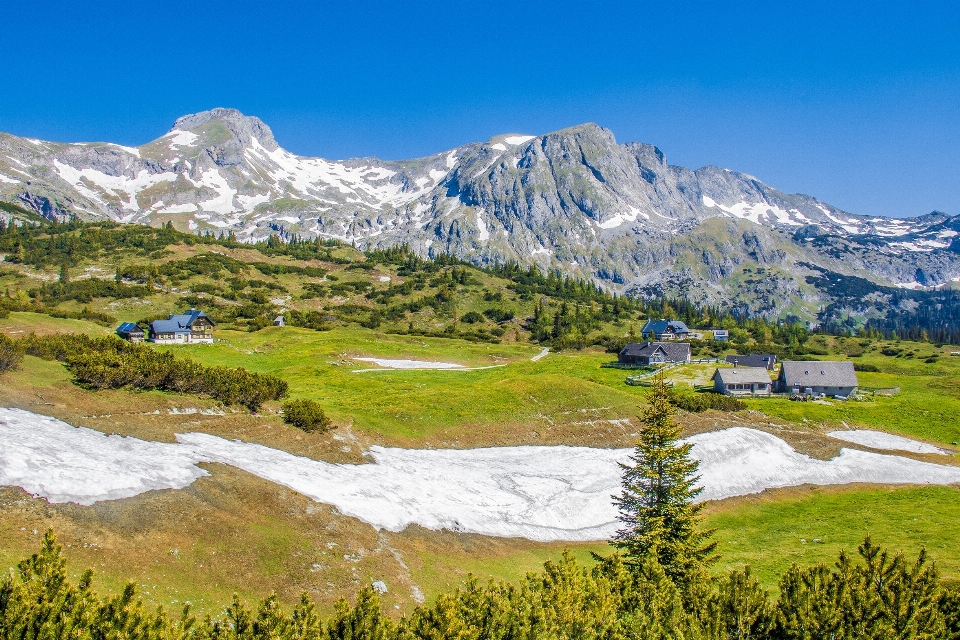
(279,322)
(721,335)
(742,381)
(818,378)
(131,332)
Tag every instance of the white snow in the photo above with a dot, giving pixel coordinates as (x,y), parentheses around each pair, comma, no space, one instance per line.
(537,492)
(131,150)
(223,201)
(181,138)
(622,218)
(910,285)
(543,353)
(881,440)
(451,159)
(437,175)
(515,140)
(410,364)
(249,203)
(484,234)
(179,208)
(4,178)
(499,146)
(112,184)
(310,176)
(62,463)
(849,226)
(754,211)
(384,278)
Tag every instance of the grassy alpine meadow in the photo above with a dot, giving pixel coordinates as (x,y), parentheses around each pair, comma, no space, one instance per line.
(810,525)
(503,389)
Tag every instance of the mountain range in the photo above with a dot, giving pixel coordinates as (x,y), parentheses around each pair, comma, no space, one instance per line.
(574,199)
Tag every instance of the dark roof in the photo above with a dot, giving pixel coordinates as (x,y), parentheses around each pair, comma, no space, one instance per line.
(814,373)
(743,375)
(179,323)
(672,350)
(127,327)
(661,326)
(753,360)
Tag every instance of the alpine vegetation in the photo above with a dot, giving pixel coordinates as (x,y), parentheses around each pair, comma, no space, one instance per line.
(880,596)
(656,506)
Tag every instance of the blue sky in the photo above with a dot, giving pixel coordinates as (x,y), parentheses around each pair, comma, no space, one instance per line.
(855,103)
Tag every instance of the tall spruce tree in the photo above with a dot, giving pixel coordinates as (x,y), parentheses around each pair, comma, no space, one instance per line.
(660,520)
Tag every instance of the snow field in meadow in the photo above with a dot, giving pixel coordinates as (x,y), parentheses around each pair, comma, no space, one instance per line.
(881,440)
(537,492)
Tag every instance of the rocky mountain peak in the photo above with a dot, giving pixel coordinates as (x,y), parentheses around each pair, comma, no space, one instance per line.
(243,128)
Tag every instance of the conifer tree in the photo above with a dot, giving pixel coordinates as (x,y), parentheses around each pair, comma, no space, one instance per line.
(660,520)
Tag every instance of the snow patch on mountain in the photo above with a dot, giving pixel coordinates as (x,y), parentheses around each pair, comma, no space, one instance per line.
(112,184)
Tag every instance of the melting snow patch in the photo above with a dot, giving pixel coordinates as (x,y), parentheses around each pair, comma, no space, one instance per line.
(179,208)
(411,364)
(499,147)
(112,184)
(181,138)
(536,492)
(515,140)
(881,440)
(482,228)
(4,178)
(754,211)
(50,458)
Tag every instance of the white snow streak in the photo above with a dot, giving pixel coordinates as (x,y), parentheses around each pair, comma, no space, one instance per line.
(537,492)
(515,140)
(754,211)
(4,178)
(881,440)
(179,208)
(482,227)
(181,138)
(112,184)
(410,364)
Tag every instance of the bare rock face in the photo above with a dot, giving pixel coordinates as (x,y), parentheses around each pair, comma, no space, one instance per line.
(573,200)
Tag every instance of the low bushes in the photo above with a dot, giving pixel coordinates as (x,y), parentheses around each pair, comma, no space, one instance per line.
(700,402)
(111,363)
(306,415)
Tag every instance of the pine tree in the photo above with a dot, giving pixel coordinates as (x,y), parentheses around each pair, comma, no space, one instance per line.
(656,505)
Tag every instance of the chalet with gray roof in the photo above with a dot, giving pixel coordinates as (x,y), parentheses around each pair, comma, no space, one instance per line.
(185,328)
(818,378)
(648,353)
(661,330)
(742,381)
(766,360)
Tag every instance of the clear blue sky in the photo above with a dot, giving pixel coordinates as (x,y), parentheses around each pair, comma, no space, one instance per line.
(855,103)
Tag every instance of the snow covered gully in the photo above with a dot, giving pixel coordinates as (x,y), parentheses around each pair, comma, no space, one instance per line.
(535,492)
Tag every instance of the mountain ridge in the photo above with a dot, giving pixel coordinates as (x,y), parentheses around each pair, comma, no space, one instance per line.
(573,199)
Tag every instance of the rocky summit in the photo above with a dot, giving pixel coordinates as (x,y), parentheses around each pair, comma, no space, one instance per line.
(573,199)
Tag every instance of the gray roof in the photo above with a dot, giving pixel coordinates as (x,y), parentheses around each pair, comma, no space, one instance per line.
(672,350)
(814,373)
(661,326)
(744,375)
(753,360)
(178,323)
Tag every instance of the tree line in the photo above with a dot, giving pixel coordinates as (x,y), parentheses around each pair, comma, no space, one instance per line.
(112,363)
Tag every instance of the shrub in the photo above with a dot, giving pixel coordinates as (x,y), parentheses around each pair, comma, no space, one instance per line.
(11,354)
(700,402)
(306,415)
(471,317)
(857,366)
